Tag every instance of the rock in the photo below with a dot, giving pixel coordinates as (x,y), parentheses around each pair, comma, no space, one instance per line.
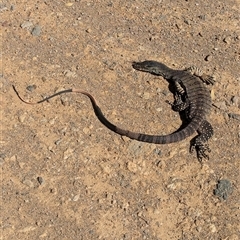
(146,95)
(227,40)
(235,100)
(76,197)
(36,31)
(213,228)
(234,116)
(40,180)
(208,58)
(28,183)
(30,88)
(28,25)
(223,189)
(221,105)
(70,74)
(21,118)
(68,4)
(68,153)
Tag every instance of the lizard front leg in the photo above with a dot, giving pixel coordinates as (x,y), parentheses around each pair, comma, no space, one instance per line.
(181,101)
(205,132)
(199,73)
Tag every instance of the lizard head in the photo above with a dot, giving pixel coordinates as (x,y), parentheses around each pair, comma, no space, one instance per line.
(150,66)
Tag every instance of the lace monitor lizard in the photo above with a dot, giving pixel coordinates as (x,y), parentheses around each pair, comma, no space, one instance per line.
(191,96)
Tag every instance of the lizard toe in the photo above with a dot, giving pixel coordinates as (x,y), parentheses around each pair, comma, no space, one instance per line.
(201,150)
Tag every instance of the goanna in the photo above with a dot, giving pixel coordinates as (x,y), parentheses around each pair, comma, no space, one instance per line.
(191,96)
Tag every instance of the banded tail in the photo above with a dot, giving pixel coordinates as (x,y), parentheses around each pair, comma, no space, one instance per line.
(157,139)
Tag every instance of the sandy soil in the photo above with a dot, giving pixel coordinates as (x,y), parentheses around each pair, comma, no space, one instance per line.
(65,175)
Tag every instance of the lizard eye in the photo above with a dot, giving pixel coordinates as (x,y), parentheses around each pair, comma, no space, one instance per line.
(147,64)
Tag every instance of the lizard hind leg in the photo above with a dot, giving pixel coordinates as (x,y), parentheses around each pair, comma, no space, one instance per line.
(199,143)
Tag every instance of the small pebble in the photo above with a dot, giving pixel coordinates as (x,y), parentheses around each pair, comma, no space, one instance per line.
(86,130)
(208,58)
(202,17)
(146,95)
(235,100)
(160,109)
(44,79)
(234,116)
(65,101)
(36,31)
(57,142)
(158,151)
(40,180)
(76,197)
(223,189)
(2,158)
(22,117)
(70,74)
(227,40)
(26,25)
(69,4)
(3,8)
(28,183)
(213,228)
(30,88)
(221,105)
(212,94)
(68,153)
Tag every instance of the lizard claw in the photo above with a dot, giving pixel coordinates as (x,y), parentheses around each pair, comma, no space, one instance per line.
(168,102)
(201,151)
(208,79)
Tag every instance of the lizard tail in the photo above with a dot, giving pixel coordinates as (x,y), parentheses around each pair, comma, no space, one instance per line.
(157,139)
(165,139)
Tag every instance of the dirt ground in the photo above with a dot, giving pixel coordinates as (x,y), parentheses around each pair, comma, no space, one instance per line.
(66,176)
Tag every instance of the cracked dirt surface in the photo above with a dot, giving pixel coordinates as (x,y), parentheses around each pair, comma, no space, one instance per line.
(63,174)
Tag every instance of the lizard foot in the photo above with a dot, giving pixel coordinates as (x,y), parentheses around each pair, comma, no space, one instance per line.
(201,150)
(199,73)
(176,107)
(207,79)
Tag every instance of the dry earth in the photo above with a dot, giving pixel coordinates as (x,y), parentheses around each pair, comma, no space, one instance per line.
(66,176)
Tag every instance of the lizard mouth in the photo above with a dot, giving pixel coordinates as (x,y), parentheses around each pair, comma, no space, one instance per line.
(138,65)
(134,64)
